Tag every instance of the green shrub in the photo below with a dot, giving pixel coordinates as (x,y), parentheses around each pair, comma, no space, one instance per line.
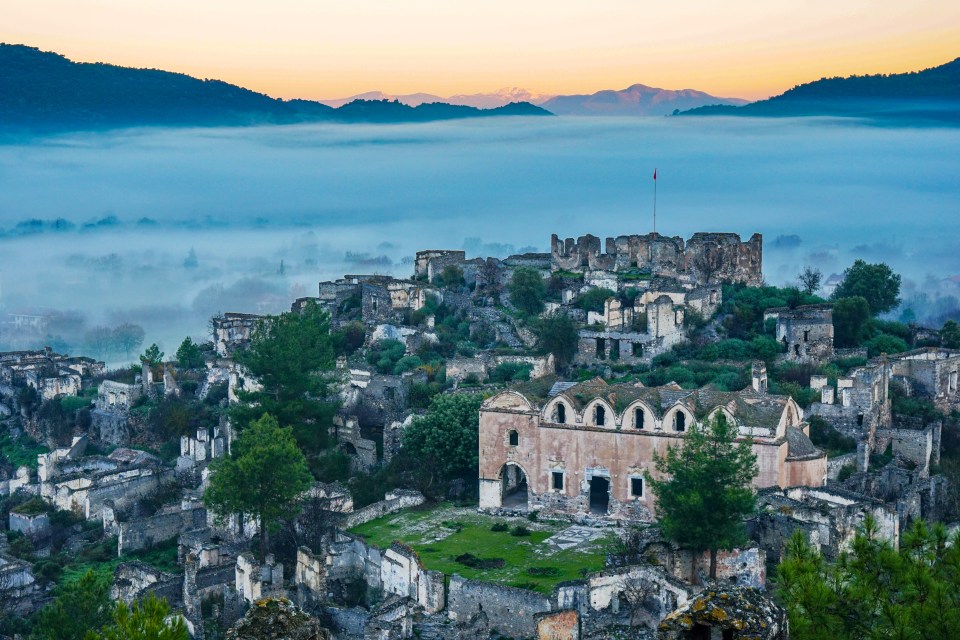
(829,439)
(406,363)
(511,372)
(520,531)
(594,299)
(846,471)
(72,404)
(499,525)
(885,343)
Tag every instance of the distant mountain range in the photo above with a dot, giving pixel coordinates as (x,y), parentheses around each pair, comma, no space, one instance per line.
(929,95)
(636,100)
(493,100)
(42,91)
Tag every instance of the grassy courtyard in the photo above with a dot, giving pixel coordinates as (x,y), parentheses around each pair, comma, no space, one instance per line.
(460,540)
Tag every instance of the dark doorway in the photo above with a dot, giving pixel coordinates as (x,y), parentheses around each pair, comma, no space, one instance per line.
(514,487)
(699,632)
(599,494)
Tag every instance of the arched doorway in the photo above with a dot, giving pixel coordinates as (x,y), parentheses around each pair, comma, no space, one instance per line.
(513,484)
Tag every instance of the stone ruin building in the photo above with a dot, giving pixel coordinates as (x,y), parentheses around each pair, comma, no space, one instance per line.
(232,331)
(52,374)
(859,404)
(932,373)
(704,258)
(582,449)
(806,332)
(653,325)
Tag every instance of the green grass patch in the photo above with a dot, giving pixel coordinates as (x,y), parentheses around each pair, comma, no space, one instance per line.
(102,559)
(456,540)
(21,451)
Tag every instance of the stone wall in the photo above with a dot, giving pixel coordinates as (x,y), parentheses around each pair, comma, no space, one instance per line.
(706,257)
(932,373)
(164,526)
(430,263)
(601,600)
(828,518)
(395,501)
(511,611)
(396,570)
(916,446)
(34,526)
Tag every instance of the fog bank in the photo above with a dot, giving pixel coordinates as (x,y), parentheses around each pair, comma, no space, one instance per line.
(163,227)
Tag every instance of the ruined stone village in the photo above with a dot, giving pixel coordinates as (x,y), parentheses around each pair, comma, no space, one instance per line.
(556,535)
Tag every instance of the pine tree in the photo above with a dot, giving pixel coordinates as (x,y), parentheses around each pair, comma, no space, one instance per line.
(704,491)
(262,478)
(292,357)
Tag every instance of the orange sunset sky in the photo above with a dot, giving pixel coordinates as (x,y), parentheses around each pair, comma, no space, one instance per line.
(322,49)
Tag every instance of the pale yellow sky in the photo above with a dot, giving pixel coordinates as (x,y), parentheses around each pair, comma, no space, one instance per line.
(324,49)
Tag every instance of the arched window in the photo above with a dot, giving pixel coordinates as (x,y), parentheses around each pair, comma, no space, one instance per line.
(514,438)
(561,413)
(600,415)
(679,421)
(638,417)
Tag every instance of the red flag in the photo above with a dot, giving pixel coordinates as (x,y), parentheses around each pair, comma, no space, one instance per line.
(654,174)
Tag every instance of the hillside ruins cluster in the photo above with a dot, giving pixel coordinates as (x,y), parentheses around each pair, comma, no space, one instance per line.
(573,449)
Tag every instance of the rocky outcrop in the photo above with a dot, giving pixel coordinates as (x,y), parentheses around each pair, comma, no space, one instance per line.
(277,619)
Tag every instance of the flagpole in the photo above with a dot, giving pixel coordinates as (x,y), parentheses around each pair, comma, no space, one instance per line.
(654,200)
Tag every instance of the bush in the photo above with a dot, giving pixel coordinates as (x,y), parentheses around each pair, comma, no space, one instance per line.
(474,562)
(511,372)
(499,525)
(829,439)
(72,404)
(527,290)
(594,299)
(846,471)
(520,531)
(451,277)
(385,355)
(885,343)
(406,363)
(331,466)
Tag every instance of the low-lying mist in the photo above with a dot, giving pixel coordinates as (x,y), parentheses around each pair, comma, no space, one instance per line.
(162,228)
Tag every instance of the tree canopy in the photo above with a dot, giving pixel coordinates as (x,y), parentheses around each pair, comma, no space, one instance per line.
(851,320)
(594,299)
(810,279)
(950,334)
(447,436)
(704,492)
(557,334)
(527,290)
(80,606)
(142,620)
(875,283)
(292,358)
(262,477)
(152,356)
(874,590)
(189,355)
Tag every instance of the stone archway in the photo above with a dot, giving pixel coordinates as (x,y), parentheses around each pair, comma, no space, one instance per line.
(514,489)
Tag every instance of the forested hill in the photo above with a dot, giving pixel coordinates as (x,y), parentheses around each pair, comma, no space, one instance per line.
(932,94)
(42,91)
